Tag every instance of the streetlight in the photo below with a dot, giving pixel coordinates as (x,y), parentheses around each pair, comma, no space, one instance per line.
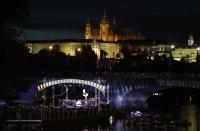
(79,49)
(170,59)
(172,46)
(50,47)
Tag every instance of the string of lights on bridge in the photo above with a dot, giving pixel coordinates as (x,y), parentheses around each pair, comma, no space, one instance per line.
(72,81)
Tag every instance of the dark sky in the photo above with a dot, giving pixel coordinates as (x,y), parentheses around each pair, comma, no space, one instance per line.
(170,20)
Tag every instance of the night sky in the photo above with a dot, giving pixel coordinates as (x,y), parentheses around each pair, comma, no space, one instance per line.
(171,20)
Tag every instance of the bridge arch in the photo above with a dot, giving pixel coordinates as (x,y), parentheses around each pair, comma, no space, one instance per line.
(96,85)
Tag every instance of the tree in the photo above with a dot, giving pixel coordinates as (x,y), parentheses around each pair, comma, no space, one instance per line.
(197,59)
(103,54)
(14,11)
(86,58)
(56,48)
(50,61)
(13,53)
(126,53)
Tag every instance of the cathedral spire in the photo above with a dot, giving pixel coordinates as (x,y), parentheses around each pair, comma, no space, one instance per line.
(104,20)
(88,21)
(114,22)
(88,30)
(104,16)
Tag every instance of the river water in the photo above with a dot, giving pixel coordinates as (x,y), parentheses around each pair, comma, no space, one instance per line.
(191,113)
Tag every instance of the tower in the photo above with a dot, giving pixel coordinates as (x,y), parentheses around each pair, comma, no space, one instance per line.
(114,22)
(190,40)
(104,28)
(88,29)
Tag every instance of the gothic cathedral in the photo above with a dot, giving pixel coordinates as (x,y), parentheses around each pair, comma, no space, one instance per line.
(110,33)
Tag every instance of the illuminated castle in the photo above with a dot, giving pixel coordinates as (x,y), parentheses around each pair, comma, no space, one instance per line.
(108,32)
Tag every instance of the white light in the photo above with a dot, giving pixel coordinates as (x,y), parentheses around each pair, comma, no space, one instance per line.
(100,87)
(138,114)
(198,48)
(97,86)
(155,94)
(78,103)
(83,82)
(38,87)
(79,49)
(50,47)
(84,93)
(172,46)
(91,84)
(103,88)
(111,120)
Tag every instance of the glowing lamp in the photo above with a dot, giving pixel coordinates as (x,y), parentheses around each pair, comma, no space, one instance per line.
(79,49)
(172,46)
(50,47)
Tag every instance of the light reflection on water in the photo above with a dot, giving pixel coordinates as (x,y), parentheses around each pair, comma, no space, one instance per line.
(191,113)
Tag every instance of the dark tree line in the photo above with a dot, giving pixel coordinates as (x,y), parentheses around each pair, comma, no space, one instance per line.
(143,63)
(13,53)
(53,62)
(18,66)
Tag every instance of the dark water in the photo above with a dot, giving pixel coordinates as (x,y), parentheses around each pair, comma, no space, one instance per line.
(191,113)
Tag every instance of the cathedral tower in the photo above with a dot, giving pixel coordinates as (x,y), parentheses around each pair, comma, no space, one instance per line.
(108,31)
(190,40)
(88,29)
(104,28)
(114,22)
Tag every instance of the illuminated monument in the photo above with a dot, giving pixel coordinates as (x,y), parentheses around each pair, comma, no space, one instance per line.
(108,32)
(187,53)
(107,38)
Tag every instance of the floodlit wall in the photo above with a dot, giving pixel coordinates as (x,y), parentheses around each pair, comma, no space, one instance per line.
(189,54)
(69,47)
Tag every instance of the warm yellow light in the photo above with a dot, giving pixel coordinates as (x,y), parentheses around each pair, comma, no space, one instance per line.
(74,81)
(172,46)
(79,49)
(155,94)
(50,47)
